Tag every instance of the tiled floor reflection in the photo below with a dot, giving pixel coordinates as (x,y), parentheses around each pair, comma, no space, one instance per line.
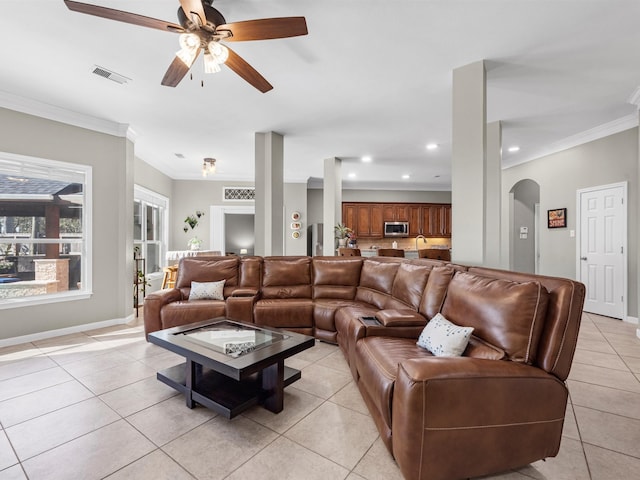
(88,406)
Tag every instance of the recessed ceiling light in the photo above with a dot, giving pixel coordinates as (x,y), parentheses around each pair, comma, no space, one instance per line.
(352,175)
(514,149)
(406,176)
(432,146)
(366,159)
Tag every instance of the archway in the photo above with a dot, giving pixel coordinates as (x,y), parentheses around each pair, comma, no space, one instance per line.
(523,226)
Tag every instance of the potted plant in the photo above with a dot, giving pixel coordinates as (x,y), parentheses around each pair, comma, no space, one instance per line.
(342,232)
(194,243)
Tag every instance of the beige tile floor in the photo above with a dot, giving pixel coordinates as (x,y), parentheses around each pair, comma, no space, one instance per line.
(88,406)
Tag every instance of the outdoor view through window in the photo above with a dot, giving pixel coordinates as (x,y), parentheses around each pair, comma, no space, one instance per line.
(42,244)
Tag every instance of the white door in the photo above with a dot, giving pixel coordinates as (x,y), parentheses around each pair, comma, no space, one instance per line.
(602,248)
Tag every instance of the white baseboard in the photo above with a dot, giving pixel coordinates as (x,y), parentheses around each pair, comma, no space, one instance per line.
(633,320)
(7,342)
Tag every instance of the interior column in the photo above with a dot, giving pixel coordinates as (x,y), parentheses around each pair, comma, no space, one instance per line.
(331,203)
(468,157)
(269,216)
(493,195)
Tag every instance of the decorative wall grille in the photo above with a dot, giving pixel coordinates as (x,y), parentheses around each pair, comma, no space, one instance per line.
(240,193)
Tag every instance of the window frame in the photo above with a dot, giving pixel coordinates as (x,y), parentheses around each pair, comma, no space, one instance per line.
(146,198)
(86,260)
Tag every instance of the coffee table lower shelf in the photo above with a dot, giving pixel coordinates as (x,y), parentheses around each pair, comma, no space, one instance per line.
(220,393)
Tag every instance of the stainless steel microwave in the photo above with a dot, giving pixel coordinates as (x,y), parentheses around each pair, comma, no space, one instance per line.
(396,229)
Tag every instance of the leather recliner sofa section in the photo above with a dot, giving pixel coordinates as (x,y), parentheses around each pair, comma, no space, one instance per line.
(499,406)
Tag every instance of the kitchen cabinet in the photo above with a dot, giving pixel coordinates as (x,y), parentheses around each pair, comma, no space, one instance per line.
(395,212)
(369,221)
(428,219)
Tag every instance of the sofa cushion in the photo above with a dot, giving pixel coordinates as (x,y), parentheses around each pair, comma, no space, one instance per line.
(336,277)
(286,277)
(443,338)
(207,290)
(509,315)
(435,290)
(409,284)
(284,312)
(185,312)
(376,281)
(207,269)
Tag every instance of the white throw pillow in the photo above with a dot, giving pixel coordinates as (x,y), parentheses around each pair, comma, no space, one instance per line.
(207,290)
(443,338)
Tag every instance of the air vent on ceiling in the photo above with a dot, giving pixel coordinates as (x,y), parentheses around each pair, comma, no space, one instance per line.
(108,74)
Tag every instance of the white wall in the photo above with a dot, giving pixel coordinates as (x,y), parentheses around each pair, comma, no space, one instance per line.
(111,158)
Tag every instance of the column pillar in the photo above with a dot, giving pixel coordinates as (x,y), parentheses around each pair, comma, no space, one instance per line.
(269,204)
(331,203)
(468,156)
(493,195)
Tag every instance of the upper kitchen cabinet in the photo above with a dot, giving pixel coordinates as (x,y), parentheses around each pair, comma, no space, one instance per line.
(395,212)
(365,219)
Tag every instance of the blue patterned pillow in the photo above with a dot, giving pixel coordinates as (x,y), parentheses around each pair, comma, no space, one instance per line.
(443,338)
(207,290)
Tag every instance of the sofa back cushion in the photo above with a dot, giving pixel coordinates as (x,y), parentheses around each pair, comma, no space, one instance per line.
(207,269)
(336,277)
(562,323)
(408,285)
(286,277)
(507,314)
(435,290)
(376,280)
(250,272)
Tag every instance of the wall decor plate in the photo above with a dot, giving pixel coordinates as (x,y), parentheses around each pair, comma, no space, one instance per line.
(295,216)
(296,226)
(295,234)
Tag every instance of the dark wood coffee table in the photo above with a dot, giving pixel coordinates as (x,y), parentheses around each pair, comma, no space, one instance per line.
(231,366)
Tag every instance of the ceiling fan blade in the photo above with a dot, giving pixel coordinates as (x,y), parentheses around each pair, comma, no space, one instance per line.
(236,63)
(176,72)
(122,16)
(265,29)
(190,7)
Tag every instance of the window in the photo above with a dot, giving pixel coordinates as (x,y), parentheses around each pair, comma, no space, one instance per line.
(150,227)
(44,230)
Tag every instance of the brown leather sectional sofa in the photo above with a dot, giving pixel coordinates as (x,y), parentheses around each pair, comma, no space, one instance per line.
(499,406)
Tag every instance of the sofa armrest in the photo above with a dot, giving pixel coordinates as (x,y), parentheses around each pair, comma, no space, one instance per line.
(482,415)
(239,306)
(401,318)
(153,304)
(245,292)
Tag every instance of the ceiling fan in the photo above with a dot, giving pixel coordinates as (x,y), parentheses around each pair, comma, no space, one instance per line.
(203,28)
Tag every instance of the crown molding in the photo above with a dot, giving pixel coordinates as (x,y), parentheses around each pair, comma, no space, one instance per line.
(59,114)
(596,133)
(634,99)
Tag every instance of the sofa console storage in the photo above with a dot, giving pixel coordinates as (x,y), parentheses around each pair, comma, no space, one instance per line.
(463,369)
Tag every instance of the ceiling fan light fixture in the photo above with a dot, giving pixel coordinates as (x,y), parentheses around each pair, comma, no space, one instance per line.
(219,52)
(189,44)
(210,64)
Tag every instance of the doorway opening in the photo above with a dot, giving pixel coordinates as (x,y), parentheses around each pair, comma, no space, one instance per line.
(524,202)
(232,229)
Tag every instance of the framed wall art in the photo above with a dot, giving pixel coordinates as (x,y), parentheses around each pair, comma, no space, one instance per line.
(557,218)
